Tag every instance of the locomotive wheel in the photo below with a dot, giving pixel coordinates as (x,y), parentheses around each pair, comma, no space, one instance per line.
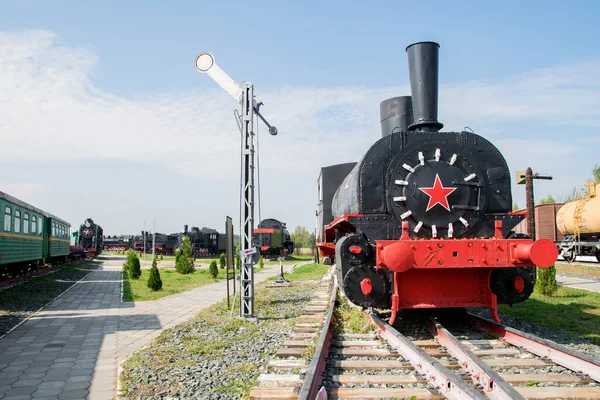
(367,287)
(569,255)
(511,285)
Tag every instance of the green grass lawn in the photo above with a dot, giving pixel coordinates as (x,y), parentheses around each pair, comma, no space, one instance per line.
(173,283)
(572,312)
(578,269)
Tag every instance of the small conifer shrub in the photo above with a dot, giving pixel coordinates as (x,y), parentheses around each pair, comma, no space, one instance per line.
(222,260)
(154,281)
(261,262)
(127,264)
(237,261)
(135,269)
(214,271)
(185,263)
(546,281)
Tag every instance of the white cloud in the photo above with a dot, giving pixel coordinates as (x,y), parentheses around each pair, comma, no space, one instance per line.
(51,110)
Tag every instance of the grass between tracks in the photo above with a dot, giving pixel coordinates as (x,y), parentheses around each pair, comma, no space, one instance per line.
(201,347)
(22,300)
(350,319)
(173,283)
(572,312)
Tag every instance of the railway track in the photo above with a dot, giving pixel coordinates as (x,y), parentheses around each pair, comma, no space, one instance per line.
(480,360)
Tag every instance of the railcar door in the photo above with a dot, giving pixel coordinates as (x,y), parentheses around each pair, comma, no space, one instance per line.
(47,229)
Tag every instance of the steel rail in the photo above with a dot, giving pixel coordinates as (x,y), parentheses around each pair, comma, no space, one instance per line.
(493,385)
(314,377)
(447,382)
(559,354)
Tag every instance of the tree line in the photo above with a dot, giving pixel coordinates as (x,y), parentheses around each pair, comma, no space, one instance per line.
(302,238)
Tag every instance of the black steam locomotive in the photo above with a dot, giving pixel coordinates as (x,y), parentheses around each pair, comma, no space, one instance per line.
(424,219)
(91,238)
(205,241)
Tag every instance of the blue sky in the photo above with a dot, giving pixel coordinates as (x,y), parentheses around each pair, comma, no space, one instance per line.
(523,74)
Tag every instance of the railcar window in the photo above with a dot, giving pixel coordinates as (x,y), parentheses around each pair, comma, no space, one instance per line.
(17,221)
(54,229)
(7,217)
(33,225)
(40,227)
(26,223)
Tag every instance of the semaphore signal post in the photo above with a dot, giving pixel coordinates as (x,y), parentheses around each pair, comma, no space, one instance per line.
(244,95)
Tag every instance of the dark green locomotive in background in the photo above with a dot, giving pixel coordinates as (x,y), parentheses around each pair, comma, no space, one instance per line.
(30,237)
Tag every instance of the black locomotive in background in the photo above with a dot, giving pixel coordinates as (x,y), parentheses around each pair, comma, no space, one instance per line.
(90,238)
(423,219)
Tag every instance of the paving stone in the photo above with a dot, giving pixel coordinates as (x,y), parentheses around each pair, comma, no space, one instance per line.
(27,382)
(41,363)
(82,371)
(33,375)
(73,394)
(81,378)
(4,389)
(76,386)
(21,390)
(52,385)
(5,380)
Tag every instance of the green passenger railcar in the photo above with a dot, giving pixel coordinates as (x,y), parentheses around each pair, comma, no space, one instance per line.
(59,233)
(29,236)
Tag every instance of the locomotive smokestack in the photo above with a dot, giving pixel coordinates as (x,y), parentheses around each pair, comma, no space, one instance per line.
(395,113)
(423,70)
(185,229)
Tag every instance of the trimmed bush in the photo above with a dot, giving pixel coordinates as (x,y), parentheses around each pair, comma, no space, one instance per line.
(154,281)
(222,261)
(161,257)
(135,269)
(185,264)
(546,281)
(127,264)
(177,256)
(261,262)
(214,271)
(237,261)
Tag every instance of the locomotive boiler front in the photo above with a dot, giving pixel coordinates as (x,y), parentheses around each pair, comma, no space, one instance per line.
(451,189)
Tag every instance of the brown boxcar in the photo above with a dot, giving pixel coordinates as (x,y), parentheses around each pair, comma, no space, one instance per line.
(545,222)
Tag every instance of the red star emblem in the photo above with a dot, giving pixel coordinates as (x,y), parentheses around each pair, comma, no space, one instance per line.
(438,194)
(87,232)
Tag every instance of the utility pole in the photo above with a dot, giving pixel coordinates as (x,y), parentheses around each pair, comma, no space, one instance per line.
(153,238)
(144,240)
(527,177)
(244,95)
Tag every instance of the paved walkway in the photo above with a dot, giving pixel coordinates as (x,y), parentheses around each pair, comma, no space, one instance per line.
(71,349)
(578,283)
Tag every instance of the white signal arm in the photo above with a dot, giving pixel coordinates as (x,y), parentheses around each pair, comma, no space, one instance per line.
(205,63)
